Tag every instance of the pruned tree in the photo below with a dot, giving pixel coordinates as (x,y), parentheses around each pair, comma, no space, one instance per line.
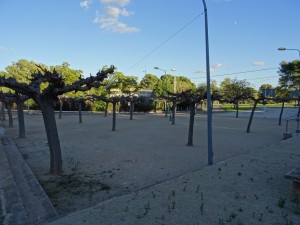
(9,98)
(44,88)
(290,77)
(235,90)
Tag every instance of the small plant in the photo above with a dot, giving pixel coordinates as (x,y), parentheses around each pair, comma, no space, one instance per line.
(269,209)
(198,187)
(221,222)
(147,208)
(173,205)
(173,193)
(153,194)
(231,217)
(201,208)
(288,222)
(281,202)
(237,195)
(260,217)
(239,174)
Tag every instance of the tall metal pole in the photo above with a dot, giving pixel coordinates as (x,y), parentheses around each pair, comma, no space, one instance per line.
(209,108)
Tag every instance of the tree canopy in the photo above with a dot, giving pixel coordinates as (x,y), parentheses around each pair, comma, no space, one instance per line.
(290,74)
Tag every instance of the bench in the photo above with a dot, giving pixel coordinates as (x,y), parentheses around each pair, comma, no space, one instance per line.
(294,175)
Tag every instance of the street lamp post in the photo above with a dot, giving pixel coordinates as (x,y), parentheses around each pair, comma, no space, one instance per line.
(209,108)
(293,49)
(174,86)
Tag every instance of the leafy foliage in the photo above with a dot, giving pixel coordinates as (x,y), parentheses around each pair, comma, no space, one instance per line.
(290,74)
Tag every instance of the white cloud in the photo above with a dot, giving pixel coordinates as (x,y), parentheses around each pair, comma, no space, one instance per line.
(111,22)
(111,18)
(213,68)
(5,49)
(115,2)
(85,4)
(258,63)
(116,12)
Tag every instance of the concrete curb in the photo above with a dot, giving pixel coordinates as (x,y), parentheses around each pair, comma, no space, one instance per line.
(37,205)
(12,210)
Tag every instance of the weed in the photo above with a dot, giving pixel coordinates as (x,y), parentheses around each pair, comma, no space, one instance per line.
(198,187)
(153,194)
(237,195)
(281,202)
(288,222)
(269,209)
(260,217)
(173,193)
(184,189)
(240,210)
(221,222)
(147,208)
(201,208)
(173,205)
(239,174)
(231,217)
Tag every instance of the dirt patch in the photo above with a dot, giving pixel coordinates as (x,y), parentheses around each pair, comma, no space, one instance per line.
(100,164)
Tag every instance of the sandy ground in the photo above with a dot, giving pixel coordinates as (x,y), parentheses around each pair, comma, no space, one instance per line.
(100,164)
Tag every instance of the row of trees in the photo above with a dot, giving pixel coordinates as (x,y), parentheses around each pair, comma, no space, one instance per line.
(46,84)
(230,89)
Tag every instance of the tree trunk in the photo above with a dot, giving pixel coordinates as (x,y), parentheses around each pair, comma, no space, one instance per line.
(114,116)
(298,114)
(280,116)
(47,107)
(166,108)
(191,124)
(79,111)
(237,109)
(60,108)
(251,116)
(2,111)
(155,105)
(106,108)
(10,118)
(21,120)
(131,109)
(119,106)
(173,113)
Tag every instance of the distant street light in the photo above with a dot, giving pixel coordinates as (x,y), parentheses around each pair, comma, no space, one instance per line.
(157,68)
(293,49)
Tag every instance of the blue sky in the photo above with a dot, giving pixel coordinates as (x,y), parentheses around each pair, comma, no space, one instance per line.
(137,35)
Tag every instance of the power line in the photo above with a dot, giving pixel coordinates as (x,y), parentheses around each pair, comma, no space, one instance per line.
(164,42)
(261,78)
(241,72)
